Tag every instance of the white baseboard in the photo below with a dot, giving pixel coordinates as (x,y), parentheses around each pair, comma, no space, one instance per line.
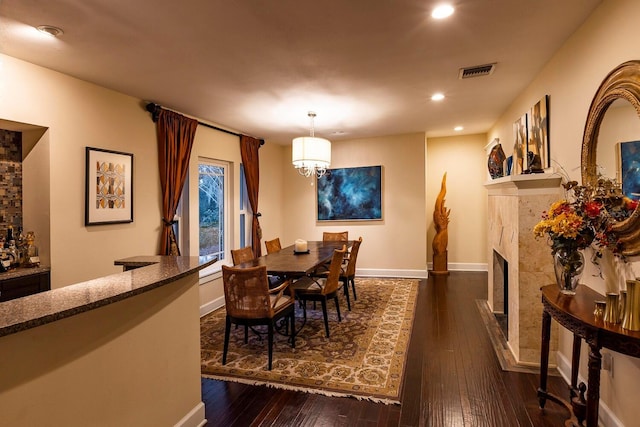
(463,266)
(210,306)
(606,417)
(195,417)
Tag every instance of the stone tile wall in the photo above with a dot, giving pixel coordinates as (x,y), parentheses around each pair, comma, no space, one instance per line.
(10,180)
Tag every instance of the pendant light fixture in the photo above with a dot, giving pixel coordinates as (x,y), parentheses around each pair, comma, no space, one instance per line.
(311,155)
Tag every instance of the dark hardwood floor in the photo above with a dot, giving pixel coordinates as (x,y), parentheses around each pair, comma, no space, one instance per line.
(452,378)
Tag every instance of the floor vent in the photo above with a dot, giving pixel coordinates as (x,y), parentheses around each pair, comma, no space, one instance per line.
(477,71)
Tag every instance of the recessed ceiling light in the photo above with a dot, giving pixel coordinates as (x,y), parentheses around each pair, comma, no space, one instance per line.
(458,128)
(437,97)
(50,30)
(442,11)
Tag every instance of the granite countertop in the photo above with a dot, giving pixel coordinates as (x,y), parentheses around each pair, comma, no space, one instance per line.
(45,307)
(21,272)
(138,261)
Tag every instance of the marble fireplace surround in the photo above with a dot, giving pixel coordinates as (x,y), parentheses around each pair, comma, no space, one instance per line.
(515,205)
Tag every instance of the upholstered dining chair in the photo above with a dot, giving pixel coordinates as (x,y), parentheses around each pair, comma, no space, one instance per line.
(250,302)
(272,245)
(238,256)
(342,236)
(322,288)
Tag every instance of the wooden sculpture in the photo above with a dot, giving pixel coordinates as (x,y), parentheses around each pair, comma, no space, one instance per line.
(441,239)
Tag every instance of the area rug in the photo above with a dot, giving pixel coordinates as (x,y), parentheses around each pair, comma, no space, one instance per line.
(363,358)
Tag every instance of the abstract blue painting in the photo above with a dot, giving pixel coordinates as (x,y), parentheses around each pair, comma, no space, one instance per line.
(630,168)
(350,194)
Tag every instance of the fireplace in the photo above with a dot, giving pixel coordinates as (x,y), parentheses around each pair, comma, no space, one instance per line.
(518,263)
(501,292)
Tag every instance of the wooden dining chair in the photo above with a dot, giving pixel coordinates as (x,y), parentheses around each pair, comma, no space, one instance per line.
(321,288)
(250,302)
(347,272)
(272,245)
(238,256)
(342,236)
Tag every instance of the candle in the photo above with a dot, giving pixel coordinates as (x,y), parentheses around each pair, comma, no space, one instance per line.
(301,245)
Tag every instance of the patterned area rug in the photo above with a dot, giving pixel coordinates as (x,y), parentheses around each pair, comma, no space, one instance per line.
(363,358)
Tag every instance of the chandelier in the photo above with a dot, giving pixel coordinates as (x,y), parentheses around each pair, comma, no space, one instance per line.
(311,155)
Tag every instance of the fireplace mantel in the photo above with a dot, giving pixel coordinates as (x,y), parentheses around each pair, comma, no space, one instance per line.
(525,182)
(515,205)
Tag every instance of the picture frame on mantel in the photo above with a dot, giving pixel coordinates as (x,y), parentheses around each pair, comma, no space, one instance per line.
(350,194)
(538,131)
(520,137)
(108,187)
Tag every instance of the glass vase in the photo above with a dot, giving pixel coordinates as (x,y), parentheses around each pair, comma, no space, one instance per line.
(568,266)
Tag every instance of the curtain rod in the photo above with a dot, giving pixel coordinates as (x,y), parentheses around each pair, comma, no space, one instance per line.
(154,109)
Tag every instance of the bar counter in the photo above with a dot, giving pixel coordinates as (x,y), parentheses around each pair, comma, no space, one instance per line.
(39,309)
(123,349)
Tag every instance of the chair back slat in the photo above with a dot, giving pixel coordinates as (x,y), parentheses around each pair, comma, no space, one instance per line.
(272,245)
(342,236)
(353,257)
(246,292)
(242,255)
(333,278)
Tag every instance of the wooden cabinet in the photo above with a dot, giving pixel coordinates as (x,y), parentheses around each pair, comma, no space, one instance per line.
(24,281)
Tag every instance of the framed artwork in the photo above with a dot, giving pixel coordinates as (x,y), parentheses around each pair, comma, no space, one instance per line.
(520,138)
(108,187)
(630,168)
(538,134)
(350,194)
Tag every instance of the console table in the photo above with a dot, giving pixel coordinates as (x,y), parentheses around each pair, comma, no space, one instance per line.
(575,313)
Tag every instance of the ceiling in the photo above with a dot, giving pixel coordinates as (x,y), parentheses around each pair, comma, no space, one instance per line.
(365,67)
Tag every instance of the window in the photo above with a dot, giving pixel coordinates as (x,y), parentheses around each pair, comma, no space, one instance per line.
(208,232)
(245,212)
(211,210)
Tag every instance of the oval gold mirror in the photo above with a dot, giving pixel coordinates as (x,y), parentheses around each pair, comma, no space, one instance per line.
(623,83)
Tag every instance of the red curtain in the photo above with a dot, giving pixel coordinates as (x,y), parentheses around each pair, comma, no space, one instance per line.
(175,140)
(249,151)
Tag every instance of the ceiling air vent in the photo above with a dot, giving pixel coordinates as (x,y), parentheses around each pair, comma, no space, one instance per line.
(477,71)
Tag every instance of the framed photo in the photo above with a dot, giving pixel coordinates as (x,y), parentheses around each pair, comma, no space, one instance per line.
(108,187)
(350,194)
(538,135)
(630,168)
(519,146)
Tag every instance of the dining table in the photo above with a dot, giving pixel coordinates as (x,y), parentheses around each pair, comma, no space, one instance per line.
(290,264)
(287,263)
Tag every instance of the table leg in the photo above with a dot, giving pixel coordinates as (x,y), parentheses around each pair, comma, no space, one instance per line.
(593,388)
(544,357)
(575,363)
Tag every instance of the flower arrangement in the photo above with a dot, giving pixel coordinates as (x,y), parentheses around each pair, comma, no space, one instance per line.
(585,217)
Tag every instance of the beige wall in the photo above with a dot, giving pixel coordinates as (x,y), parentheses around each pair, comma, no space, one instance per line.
(464,160)
(80,114)
(571,78)
(77,114)
(273,165)
(393,246)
